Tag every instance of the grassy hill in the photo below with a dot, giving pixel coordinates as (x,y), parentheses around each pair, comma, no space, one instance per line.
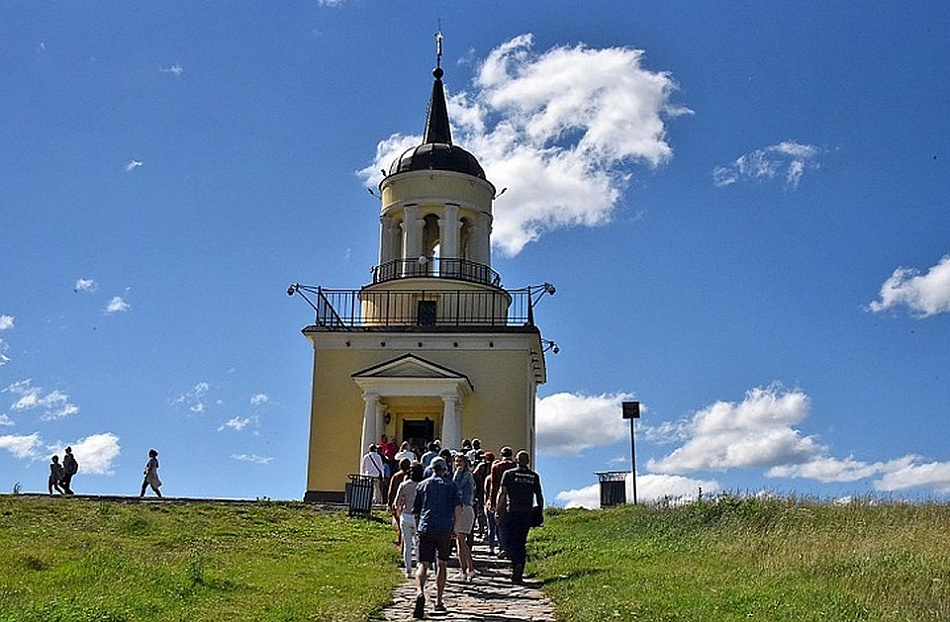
(727,559)
(76,560)
(749,559)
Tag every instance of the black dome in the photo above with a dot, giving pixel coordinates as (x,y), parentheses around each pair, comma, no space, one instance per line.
(438,157)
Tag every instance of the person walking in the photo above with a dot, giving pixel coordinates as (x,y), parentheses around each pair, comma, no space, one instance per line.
(516,495)
(70,468)
(151,474)
(434,507)
(498,469)
(55,476)
(464,516)
(403,504)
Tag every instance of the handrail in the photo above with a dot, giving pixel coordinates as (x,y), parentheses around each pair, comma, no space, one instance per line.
(457,269)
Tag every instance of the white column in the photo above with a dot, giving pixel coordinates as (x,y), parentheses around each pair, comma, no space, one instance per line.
(451,422)
(449,226)
(385,239)
(370,424)
(412,227)
(483,238)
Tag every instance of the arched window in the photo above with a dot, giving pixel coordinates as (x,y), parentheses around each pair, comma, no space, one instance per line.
(430,241)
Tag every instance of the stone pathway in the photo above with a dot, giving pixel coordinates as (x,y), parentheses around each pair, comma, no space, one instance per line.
(491,597)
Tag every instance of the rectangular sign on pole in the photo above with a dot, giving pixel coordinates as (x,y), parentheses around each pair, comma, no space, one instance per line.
(631,410)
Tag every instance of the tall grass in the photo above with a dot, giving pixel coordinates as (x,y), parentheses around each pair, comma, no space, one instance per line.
(76,560)
(748,559)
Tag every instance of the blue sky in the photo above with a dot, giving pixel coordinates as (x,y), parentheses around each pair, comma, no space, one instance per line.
(743,207)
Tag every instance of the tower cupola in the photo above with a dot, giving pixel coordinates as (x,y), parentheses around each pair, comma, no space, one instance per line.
(436,210)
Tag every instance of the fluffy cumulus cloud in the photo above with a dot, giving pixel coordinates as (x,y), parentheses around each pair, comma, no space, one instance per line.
(924,294)
(757,432)
(651,488)
(95,454)
(259,399)
(911,472)
(787,160)
(559,130)
(6,322)
(22,446)
(52,404)
(85,285)
(569,423)
(117,305)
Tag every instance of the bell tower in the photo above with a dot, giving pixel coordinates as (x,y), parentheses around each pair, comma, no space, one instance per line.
(434,347)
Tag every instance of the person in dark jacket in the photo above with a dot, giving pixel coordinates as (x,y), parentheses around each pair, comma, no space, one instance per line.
(70,468)
(516,499)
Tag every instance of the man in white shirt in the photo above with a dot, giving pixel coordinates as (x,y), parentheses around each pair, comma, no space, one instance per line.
(372,466)
(405,452)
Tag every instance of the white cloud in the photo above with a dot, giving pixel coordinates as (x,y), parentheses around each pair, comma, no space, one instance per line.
(117,305)
(910,473)
(925,295)
(569,423)
(237,423)
(5,420)
(650,488)
(559,130)
(252,458)
(827,469)
(55,404)
(194,398)
(134,164)
(259,399)
(22,446)
(6,322)
(95,453)
(175,69)
(758,432)
(85,285)
(788,159)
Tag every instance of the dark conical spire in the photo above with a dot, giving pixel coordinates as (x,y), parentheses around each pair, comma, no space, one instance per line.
(437,153)
(437,119)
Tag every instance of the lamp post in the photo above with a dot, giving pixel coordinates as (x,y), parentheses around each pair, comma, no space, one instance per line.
(631,411)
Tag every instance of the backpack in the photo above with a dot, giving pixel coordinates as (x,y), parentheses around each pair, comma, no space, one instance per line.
(70,464)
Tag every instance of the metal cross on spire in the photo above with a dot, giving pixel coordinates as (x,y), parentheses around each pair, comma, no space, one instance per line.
(438,46)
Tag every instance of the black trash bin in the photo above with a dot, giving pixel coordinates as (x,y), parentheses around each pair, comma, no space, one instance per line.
(613,487)
(359,495)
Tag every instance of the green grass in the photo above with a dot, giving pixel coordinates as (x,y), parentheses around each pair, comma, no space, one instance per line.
(747,559)
(76,560)
(729,559)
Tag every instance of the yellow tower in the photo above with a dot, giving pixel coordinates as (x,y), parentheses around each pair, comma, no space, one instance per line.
(435,347)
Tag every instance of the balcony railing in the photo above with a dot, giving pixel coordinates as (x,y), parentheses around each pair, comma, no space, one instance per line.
(349,309)
(459,269)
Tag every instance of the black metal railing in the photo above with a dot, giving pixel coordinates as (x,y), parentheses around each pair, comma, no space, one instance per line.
(349,309)
(459,269)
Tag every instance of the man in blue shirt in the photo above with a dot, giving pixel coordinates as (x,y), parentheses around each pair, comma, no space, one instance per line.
(434,507)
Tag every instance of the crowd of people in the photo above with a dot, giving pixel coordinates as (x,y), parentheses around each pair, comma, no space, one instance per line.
(443,500)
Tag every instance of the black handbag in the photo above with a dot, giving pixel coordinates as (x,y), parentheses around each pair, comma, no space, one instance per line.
(537,516)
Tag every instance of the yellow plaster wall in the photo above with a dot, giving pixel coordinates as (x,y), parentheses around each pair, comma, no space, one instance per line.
(422,184)
(495,411)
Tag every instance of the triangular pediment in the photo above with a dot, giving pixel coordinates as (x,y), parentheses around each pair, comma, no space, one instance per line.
(409,366)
